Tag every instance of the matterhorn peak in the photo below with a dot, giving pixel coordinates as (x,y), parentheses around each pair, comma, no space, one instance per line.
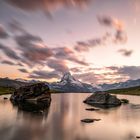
(68,77)
(69,84)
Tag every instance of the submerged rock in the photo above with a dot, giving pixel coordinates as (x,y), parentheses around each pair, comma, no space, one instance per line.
(5,98)
(124,101)
(32,97)
(135,106)
(89,120)
(92,109)
(103,100)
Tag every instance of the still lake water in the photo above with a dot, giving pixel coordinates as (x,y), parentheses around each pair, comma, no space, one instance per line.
(62,121)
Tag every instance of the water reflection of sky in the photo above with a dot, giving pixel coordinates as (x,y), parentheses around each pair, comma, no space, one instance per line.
(62,121)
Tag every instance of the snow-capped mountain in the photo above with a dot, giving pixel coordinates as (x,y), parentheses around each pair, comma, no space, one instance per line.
(121,85)
(69,84)
(27,81)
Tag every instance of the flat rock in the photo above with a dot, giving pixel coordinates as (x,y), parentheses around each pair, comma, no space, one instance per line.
(124,101)
(92,109)
(103,100)
(5,98)
(89,120)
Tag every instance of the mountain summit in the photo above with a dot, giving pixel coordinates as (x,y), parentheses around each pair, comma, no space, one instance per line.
(69,84)
(67,77)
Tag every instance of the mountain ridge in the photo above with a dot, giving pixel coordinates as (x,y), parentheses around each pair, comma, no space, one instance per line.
(68,83)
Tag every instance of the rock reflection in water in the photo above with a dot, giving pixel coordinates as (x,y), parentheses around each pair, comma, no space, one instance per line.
(62,121)
(33,107)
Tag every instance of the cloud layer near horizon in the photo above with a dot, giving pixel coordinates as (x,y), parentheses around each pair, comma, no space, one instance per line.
(33,53)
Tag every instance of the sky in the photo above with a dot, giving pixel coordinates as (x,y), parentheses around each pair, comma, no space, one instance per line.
(96,40)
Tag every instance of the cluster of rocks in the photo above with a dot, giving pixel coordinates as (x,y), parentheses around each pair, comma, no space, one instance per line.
(37,97)
(102,100)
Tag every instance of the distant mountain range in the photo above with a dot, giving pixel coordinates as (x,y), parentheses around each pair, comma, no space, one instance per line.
(120,85)
(14,83)
(6,82)
(69,84)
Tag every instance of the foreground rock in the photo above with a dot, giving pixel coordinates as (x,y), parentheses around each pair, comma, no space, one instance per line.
(32,98)
(103,100)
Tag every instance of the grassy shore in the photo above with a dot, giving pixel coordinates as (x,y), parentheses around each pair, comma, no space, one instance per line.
(6,90)
(126,91)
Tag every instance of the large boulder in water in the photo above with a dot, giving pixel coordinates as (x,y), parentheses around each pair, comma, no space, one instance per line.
(32,97)
(103,100)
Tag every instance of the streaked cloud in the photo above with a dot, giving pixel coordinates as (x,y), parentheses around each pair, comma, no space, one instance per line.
(42,74)
(125,52)
(7,62)
(58,65)
(132,71)
(47,6)
(111,22)
(68,54)
(9,52)
(120,35)
(23,70)
(3,33)
(89,77)
(33,51)
(126,72)
(16,26)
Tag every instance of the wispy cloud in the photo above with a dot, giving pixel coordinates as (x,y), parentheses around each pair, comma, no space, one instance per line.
(68,54)
(111,22)
(9,52)
(133,72)
(119,35)
(33,51)
(47,6)
(3,33)
(23,70)
(16,26)
(125,52)
(7,62)
(58,65)
(42,74)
